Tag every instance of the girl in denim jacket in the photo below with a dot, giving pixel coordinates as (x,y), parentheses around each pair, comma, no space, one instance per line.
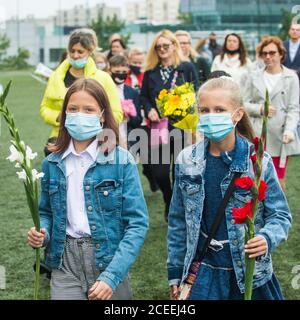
(203,173)
(93,213)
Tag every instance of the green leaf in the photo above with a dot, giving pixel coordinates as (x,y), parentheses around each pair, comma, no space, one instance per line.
(5,93)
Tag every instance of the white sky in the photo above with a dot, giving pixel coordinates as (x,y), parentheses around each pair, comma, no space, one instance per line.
(45,8)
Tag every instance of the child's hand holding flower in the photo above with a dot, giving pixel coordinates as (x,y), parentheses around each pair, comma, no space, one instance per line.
(35,238)
(256,247)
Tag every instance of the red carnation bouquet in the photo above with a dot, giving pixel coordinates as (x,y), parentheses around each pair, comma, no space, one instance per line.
(247,214)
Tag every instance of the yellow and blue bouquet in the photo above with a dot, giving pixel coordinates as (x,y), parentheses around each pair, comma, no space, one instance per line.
(179,106)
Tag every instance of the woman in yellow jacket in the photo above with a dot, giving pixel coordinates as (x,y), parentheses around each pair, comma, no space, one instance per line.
(79,64)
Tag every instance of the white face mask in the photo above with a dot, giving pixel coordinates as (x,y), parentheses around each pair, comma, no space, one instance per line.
(101,65)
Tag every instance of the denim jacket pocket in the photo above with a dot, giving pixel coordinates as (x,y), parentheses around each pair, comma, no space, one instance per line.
(241,198)
(262,267)
(54,196)
(109,196)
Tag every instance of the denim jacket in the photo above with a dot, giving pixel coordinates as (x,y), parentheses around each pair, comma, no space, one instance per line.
(115,206)
(272,221)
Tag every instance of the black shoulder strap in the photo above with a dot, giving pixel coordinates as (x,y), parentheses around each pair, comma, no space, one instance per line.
(218,219)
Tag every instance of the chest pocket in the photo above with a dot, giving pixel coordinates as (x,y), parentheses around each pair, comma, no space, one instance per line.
(191,193)
(54,196)
(109,196)
(241,197)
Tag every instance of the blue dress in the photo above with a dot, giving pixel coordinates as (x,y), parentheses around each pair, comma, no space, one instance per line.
(216,277)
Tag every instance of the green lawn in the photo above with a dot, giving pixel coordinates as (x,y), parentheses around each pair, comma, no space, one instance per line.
(149,273)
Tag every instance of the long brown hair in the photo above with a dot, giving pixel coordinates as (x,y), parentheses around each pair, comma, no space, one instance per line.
(244,126)
(94,89)
(242,49)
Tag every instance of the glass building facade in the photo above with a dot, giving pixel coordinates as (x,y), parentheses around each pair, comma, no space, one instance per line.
(261,16)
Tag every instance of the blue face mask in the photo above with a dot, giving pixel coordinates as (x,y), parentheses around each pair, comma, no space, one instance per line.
(83,126)
(79,63)
(216,126)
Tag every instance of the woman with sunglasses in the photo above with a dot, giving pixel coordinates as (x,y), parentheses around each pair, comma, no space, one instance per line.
(165,67)
(283,87)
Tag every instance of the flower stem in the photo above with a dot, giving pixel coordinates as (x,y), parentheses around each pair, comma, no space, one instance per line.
(37,274)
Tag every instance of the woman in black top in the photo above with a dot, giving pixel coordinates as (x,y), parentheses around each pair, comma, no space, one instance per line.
(200,63)
(165,67)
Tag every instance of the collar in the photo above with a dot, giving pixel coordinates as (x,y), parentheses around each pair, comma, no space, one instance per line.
(237,159)
(92,150)
(295,44)
(121,86)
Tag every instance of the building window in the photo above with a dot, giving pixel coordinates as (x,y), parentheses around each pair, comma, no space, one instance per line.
(42,55)
(55,54)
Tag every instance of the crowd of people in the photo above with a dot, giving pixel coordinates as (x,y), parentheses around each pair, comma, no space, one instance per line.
(93,213)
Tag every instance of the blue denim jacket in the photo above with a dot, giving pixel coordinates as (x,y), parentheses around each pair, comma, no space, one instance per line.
(116,209)
(273,218)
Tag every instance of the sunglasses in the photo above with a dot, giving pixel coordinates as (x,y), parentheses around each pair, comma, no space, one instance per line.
(266,53)
(164,46)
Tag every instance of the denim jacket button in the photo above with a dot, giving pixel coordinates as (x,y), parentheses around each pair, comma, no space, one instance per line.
(87,188)
(235,242)
(105,193)
(90,208)
(97,246)
(239,263)
(232,221)
(94,228)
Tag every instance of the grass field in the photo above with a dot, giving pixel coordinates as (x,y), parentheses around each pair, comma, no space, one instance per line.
(149,277)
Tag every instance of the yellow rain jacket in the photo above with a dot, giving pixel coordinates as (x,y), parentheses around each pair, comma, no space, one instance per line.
(56,90)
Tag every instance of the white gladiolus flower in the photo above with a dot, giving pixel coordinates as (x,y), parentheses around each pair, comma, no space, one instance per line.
(36,175)
(29,154)
(22,175)
(15,155)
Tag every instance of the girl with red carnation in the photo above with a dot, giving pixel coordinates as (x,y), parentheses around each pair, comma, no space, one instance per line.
(203,174)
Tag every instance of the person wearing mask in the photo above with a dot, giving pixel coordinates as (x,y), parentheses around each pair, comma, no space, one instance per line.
(136,58)
(165,67)
(200,63)
(204,172)
(283,87)
(92,209)
(233,59)
(101,61)
(79,64)
(213,46)
(130,99)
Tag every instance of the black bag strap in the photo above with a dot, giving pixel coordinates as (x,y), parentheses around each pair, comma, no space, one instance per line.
(218,219)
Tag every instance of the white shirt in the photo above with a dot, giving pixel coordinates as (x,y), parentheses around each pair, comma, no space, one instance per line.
(271,80)
(76,167)
(233,67)
(121,91)
(293,49)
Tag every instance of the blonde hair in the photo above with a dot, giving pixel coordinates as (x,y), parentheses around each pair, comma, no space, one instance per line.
(101,55)
(244,126)
(193,53)
(153,59)
(135,52)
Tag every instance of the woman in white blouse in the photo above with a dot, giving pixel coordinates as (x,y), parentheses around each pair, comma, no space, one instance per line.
(233,59)
(283,87)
